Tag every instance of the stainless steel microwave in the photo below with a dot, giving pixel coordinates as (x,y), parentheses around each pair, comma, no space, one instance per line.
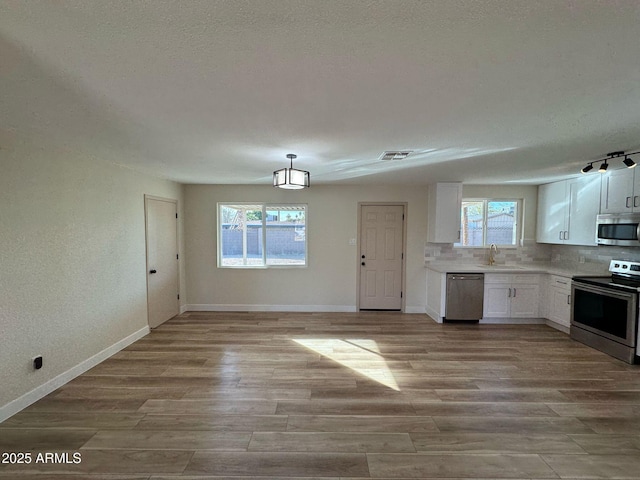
(618,229)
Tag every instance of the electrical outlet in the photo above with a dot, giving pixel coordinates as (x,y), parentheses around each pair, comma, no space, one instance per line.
(37,362)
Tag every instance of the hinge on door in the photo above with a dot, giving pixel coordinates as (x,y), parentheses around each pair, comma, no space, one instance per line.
(176,215)
(177,257)
(402,256)
(178,296)
(400,294)
(403,216)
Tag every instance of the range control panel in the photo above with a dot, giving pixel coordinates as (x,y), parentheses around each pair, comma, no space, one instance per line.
(625,267)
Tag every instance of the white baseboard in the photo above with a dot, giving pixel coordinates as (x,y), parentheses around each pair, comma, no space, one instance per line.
(557,326)
(433,314)
(514,321)
(414,310)
(46,388)
(269,308)
(278,308)
(183,308)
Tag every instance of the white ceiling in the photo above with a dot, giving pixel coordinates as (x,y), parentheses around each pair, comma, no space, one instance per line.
(220,91)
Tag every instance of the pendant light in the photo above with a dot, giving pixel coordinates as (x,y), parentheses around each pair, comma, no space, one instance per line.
(291,178)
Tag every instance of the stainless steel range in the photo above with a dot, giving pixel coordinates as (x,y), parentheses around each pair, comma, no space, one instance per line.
(604,314)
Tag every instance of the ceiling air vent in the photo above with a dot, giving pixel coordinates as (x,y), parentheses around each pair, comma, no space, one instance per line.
(396,155)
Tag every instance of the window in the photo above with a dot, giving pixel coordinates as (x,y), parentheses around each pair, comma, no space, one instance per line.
(486,221)
(262,235)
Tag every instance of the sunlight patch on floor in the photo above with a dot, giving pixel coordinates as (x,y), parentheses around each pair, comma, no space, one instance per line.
(360,355)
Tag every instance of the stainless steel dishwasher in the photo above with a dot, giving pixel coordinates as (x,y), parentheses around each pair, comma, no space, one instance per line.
(465,294)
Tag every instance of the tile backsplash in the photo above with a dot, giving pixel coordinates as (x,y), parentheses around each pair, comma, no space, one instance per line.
(589,259)
(529,252)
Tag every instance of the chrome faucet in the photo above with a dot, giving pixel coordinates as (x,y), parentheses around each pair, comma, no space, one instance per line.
(492,248)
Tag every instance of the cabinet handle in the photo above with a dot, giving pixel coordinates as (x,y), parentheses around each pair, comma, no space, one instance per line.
(560,281)
(568,299)
(458,234)
(635,203)
(514,293)
(560,235)
(509,293)
(566,234)
(626,203)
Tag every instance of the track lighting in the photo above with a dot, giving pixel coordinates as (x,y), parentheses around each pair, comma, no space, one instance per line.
(629,163)
(587,169)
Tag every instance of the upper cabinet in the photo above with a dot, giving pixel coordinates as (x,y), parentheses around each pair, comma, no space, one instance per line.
(584,206)
(443,222)
(620,192)
(567,211)
(552,212)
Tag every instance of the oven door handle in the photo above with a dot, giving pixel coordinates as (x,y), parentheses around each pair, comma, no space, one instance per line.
(638,231)
(608,292)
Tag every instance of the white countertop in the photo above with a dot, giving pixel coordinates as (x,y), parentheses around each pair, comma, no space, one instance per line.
(454,267)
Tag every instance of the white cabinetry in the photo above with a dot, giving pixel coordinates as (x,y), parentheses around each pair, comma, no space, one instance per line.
(584,206)
(511,295)
(567,211)
(560,300)
(525,300)
(552,212)
(497,299)
(620,192)
(443,222)
(436,294)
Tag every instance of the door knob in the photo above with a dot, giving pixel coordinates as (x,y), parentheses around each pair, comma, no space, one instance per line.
(152,271)
(362,256)
(362,264)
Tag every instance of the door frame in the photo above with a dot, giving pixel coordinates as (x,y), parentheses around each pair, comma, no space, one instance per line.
(405,206)
(146,245)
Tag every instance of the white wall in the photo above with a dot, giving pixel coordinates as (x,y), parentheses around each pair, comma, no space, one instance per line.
(329,282)
(72,264)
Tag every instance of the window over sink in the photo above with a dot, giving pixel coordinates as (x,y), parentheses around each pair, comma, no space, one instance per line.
(485,221)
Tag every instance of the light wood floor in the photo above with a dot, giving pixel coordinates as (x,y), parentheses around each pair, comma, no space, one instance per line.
(274,395)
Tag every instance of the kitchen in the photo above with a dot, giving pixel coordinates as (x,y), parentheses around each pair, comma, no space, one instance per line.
(105,104)
(585,227)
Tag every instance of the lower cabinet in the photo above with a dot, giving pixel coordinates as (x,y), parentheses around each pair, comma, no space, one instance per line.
(436,294)
(560,300)
(511,295)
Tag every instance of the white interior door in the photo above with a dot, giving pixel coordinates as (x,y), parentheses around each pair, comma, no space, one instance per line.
(162,260)
(381,250)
